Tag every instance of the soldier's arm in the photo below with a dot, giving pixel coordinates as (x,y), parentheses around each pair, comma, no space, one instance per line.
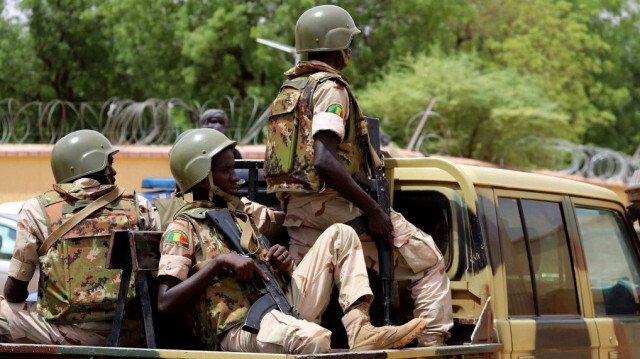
(15,290)
(149,214)
(330,113)
(29,234)
(174,294)
(336,176)
(268,220)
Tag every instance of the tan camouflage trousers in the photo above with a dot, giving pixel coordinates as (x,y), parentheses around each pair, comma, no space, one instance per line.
(21,323)
(335,258)
(416,256)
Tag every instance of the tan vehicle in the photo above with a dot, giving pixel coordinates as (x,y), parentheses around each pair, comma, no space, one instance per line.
(540,267)
(551,266)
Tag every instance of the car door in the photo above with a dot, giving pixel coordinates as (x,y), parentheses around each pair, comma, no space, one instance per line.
(545,308)
(613,266)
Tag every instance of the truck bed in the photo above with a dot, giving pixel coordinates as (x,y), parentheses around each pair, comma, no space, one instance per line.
(67,351)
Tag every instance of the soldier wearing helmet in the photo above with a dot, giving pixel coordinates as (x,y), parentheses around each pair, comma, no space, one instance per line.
(196,259)
(315,146)
(76,298)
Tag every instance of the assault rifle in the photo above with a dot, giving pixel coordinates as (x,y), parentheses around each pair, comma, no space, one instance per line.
(378,188)
(273,297)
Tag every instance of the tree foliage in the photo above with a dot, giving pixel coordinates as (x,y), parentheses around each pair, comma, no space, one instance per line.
(483,112)
(551,40)
(617,22)
(579,55)
(17,76)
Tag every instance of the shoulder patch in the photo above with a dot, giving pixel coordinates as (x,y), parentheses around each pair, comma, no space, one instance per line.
(177,238)
(337,109)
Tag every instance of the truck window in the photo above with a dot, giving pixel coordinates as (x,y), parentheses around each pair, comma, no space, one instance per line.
(612,261)
(429,211)
(540,278)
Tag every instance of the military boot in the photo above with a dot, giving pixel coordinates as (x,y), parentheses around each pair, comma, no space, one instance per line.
(364,336)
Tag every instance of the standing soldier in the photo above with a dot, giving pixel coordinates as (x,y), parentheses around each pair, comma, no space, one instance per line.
(66,233)
(197,257)
(315,145)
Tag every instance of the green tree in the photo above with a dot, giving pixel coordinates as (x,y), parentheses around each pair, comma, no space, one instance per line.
(550,40)
(143,50)
(74,53)
(20,70)
(616,21)
(485,112)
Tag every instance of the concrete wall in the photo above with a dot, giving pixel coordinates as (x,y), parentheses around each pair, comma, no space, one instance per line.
(26,171)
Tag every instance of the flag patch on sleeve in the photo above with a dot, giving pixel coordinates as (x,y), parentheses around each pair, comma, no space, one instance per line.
(177,238)
(337,109)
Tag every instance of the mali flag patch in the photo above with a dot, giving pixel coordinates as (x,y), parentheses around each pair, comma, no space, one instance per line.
(337,109)
(177,238)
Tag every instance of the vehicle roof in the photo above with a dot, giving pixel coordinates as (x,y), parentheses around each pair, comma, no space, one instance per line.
(11,207)
(417,169)
(9,216)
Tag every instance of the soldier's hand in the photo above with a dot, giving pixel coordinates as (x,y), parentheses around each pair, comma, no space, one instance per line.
(244,267)
(379,226)
(278,257)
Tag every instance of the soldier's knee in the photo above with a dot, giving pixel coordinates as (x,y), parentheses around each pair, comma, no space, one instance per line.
(345,232)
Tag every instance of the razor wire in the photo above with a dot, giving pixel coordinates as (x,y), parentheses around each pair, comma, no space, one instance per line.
(159,121)
(564,157)
(124,121)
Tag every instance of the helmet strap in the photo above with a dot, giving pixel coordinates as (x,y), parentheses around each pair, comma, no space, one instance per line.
(215,190)
(345,58)
(107,172)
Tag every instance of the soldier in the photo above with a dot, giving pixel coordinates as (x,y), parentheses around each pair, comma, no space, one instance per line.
(195,259)
(315,145)
(77,295)
(217,120)
(633,193)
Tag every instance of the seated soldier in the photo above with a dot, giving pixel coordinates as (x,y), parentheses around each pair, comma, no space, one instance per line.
(76,295)
(196,259)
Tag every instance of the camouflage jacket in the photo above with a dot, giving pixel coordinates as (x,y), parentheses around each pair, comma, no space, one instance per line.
(289,153)
(225,303)
(75,285)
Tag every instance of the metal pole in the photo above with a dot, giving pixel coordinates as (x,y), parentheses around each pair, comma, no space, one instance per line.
(423,120)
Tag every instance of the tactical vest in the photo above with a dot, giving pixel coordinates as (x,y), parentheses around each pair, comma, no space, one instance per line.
(224,304)
(76,286)
(289,152)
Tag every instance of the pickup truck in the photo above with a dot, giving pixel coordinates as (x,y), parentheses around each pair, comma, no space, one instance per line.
(540,267)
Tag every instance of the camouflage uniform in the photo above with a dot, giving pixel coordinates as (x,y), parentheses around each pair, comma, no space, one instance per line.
(191,239)
(311,207)
(76,294)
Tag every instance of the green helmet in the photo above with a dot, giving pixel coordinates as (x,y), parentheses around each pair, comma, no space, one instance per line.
(190,158)
(324,28)
(80,153)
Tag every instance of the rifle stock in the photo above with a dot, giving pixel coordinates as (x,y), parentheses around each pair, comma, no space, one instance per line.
(273,296)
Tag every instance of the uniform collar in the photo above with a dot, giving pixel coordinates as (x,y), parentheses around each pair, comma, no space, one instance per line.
(306,67)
